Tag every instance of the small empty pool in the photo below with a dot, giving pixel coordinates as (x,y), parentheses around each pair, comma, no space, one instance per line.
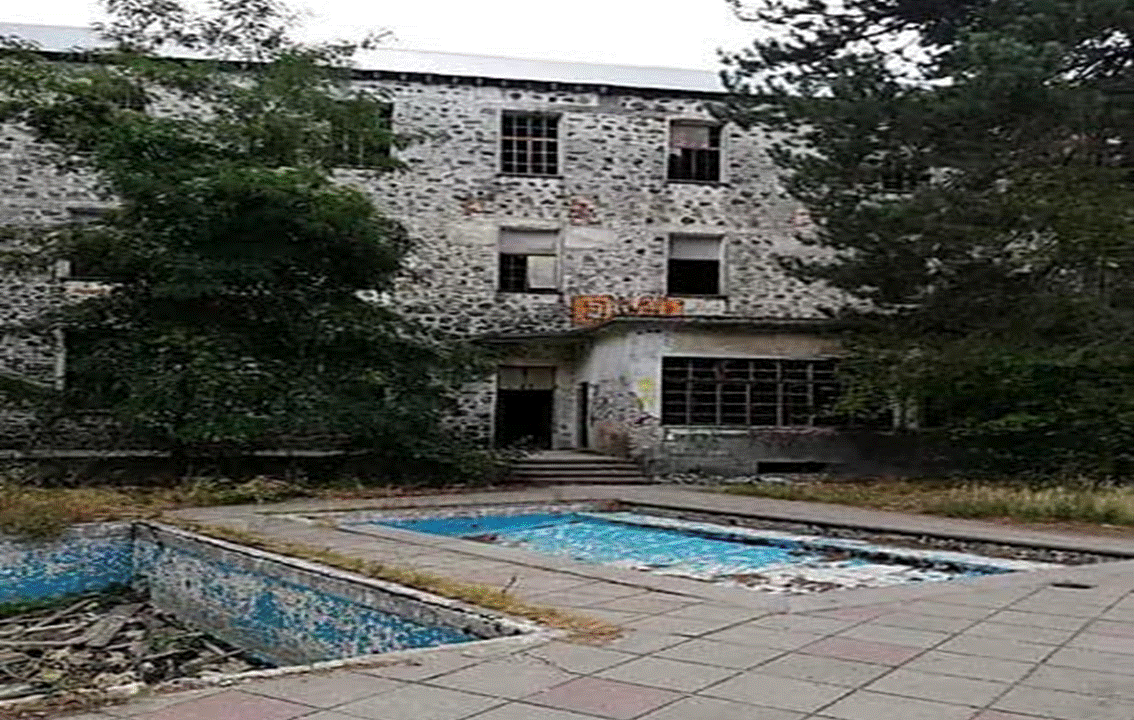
(763,560)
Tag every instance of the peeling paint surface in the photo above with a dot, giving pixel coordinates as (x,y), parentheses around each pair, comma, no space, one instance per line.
(285,612)
(81,561)
(762,560)
(276,618)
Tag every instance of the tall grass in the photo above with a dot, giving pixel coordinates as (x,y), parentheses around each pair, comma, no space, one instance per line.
(1071,501)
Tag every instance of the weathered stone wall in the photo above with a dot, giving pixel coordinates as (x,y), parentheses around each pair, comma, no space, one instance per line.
(611,204)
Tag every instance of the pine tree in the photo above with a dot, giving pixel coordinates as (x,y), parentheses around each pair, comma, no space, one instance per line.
(969,168)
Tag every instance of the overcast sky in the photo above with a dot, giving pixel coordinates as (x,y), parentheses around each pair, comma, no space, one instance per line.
(622,32)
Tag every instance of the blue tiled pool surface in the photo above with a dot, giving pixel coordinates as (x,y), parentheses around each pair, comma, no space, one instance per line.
(276,610)
(767,561)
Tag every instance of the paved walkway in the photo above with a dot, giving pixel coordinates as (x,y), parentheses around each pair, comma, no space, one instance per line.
(1010,647)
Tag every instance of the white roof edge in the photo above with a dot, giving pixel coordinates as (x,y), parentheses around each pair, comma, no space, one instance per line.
(62,38)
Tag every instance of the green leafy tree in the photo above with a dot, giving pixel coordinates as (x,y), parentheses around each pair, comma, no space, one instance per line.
(969,170)
(234,261)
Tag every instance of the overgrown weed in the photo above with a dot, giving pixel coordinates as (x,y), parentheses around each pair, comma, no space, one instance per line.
(1067,500)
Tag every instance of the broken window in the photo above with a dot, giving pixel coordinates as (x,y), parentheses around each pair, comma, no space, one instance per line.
(529,261)
(694,151)
(694,266)
(746,393)
(529,144)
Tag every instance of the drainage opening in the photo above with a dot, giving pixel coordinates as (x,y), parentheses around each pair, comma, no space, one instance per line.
(1069,585)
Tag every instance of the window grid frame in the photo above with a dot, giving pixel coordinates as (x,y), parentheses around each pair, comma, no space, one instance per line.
(691,410)
(529,144)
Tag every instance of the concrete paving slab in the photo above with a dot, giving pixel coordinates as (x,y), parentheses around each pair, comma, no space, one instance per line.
(1084,682)
(895,635)
(866,705)
(803,623)
(672,625)
(1087,659)
(996,648)
(1063,705)
(704,708)
(832,671)
(512,677)
(605,698)
(1110,627)
(323,690)
(668,674)
(917,621)
(861,650)
(1004,631)
(984,668)
(752,634)
(782,693)
(720,654)
(580,659)
(942,688)
(1032,620)
(420,702)
(231,705)
(523,711)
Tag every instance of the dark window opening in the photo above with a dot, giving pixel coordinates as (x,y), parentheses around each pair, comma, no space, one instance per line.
(746,393)
(694,152)
(694,277)
(529,144)
(694,266)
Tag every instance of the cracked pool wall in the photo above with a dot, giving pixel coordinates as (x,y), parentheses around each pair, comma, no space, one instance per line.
(282,610)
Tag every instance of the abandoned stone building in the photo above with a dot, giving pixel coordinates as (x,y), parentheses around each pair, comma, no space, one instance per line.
(596,223)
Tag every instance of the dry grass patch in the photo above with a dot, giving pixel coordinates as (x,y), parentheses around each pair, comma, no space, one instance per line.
(1071,502)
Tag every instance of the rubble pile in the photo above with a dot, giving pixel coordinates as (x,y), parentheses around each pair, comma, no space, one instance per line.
(95,642)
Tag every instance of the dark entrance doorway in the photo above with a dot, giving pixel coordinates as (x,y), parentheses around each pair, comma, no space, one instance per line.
(583,411)
(525,406)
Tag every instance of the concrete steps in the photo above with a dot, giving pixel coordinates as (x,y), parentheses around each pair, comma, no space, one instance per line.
(551,467)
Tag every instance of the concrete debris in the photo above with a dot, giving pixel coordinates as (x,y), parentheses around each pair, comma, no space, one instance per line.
(104,641)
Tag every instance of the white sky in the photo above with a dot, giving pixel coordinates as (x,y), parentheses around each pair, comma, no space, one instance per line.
(670,33)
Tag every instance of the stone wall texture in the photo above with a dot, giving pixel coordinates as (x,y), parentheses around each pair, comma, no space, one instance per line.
(611,205)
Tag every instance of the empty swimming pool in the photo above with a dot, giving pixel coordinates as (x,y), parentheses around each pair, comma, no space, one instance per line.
(759,559)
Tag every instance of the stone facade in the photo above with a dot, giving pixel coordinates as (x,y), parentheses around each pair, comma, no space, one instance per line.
(613,213)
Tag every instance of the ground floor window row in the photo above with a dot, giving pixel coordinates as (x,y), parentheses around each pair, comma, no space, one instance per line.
(748,392)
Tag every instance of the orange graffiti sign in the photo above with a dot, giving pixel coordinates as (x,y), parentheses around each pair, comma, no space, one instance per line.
(593,309)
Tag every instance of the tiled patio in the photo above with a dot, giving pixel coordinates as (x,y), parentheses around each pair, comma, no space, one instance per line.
(1010,647)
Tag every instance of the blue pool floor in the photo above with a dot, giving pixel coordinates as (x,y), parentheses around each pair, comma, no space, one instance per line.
(615,539)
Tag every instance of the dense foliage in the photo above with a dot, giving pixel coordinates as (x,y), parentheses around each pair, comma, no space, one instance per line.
(234,320)
(969,170)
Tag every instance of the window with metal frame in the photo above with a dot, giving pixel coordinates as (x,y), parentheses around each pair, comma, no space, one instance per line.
(529,261)
(529,144)
(694,151)
(748,392)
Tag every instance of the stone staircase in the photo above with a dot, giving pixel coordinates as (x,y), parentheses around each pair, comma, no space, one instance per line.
(560,467)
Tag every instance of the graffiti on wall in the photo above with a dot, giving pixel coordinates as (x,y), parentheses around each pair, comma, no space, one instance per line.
(594,309)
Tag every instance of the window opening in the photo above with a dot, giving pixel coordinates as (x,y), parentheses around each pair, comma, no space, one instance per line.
(694,266)
(694,152)
(529,144)
(529,261)
(765,392)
